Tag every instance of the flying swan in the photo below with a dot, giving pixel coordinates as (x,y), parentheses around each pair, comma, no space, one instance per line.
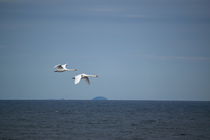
(77,78)
(62,68)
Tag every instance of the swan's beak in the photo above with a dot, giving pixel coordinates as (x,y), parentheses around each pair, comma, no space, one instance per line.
(73,77)
(96,75)
(75,69)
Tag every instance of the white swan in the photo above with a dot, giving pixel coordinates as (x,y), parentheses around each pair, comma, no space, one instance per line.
(77,78)
(62,68)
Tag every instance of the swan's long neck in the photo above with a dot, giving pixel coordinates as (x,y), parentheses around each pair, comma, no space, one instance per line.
(92,75)
(71,69)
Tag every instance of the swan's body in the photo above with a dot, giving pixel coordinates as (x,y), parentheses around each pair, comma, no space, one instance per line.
(77,78)
(62,68)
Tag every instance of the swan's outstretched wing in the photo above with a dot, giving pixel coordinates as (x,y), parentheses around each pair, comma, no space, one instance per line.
(87,80)
(77,79)
(58,66)
(64,66)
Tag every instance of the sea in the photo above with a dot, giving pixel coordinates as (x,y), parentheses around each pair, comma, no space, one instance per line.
(104,120)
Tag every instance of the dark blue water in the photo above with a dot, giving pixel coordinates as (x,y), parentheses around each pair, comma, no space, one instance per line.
(104,120)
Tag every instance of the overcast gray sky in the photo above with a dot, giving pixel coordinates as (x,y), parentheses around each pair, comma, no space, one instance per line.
(141,49)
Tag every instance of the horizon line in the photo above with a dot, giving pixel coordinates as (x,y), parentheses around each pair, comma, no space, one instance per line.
(180,100)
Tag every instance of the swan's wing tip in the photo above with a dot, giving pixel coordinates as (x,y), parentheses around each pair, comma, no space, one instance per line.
(87,80)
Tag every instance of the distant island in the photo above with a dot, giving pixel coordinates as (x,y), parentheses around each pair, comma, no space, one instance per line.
(99,98)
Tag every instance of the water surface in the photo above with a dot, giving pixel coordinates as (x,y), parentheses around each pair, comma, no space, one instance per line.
(104,120)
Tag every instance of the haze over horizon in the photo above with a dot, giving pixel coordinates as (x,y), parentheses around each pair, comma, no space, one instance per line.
(141,49)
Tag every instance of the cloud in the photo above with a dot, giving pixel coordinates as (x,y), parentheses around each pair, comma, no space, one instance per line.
(13,1)
(102,10)
(190,58)
(135,16)
(193,58)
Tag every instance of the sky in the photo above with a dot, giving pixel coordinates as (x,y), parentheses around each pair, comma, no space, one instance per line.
(141,49)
